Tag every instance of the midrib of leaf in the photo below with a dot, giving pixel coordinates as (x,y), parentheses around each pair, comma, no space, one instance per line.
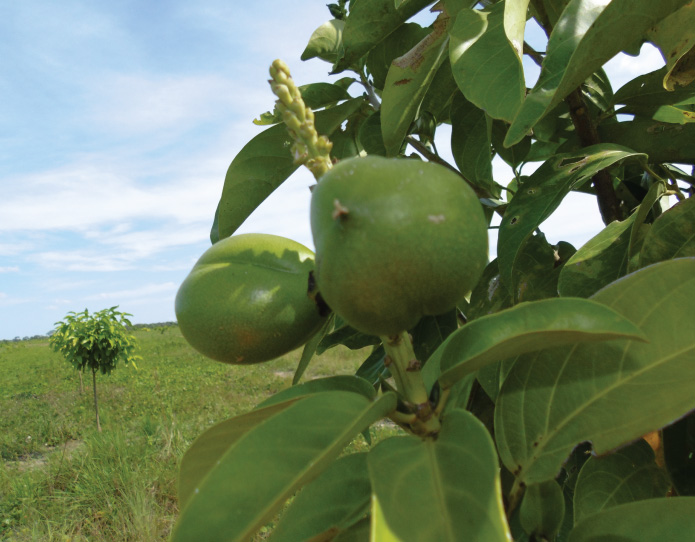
(290,487)
(439,488)
(621,381)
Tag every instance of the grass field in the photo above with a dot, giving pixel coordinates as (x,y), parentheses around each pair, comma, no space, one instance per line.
(61,480)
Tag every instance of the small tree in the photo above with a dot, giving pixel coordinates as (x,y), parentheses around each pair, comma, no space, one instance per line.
(95,342)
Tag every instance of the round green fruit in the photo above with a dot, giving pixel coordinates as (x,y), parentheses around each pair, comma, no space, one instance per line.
(396,239)
(246,299)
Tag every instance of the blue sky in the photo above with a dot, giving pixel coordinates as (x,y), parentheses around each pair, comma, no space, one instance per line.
(118,121)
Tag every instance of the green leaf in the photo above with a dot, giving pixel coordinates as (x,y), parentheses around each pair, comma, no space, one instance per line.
(326,41)
(600,261)
(380,530)
(251,479)
(407,82)
(263,164)
(663,113)
(444,490)
(543,509)
(349,383)
(648,90)
(347,336)
(674,37)
(431,331)
(515,24)
(662,142)
(440,93)
(528,327)
(485,65)
(373,368)
(608,393)
(514,155)
(537,269)
(672,235)
(628,475)
(368,23)
(330,504)
(651,520)
(542,193)
(310,349)
(399,42)
(202,456)
(370,135)
(470,143)
(488,296)
(359,532)
(584,38)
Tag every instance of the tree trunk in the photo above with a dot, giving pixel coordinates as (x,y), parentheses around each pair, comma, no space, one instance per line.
(81,381)
(96,402)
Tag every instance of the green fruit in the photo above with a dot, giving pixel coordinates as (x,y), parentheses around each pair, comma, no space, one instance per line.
(246,299)
(395,240)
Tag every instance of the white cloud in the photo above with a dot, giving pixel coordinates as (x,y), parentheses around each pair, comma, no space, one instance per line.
(148,290)
(10,269)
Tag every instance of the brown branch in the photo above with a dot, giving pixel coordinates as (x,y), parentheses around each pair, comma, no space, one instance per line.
(608,202)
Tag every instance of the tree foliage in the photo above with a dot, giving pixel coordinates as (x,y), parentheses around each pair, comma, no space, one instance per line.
(558,350)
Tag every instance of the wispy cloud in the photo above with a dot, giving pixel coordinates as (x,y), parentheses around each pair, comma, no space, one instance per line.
(148,290)
(9,269)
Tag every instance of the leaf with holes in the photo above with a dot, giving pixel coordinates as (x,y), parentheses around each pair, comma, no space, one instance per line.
(543,192)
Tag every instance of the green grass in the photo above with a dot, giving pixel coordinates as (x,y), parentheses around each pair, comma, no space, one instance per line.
(61,480)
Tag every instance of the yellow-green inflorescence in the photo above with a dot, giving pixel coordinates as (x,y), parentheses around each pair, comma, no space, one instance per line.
(309,148)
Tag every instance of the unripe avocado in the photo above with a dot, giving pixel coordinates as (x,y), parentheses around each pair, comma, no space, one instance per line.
(245,300)
(396,239)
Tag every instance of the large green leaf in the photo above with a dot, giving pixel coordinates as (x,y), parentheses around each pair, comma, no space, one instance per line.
(407,82)
(628,475)
(399,42)
(515,24)
(380,530)
(674,36)
(607,393)
(672,235)
(254,476)
(485,65)
(600,261)
(587,35)
(470,142)
(368,23)
(528,327)
(349,383)
(310,349)
(651,520)
(542,193)
(331,503)
(648,90)
(663,142)
(263,164)
(444,490)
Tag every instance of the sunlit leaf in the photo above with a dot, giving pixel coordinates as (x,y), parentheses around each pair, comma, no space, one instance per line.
(600,261)
(325,42)
(674,37)
(368,23)
(451,485)
(585,37)
(651,520)
(628,475)
(349,383)
(672,235)
(252,478)
(485,65)
(528,327)
(515,24)
(607,393)
(380,530)
(265,163)
(407,81)
(399,42)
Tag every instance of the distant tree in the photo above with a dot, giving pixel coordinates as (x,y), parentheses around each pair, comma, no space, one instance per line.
(95,342)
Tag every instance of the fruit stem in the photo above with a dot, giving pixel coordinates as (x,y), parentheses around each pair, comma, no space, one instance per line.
(309,148)
(405,368)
